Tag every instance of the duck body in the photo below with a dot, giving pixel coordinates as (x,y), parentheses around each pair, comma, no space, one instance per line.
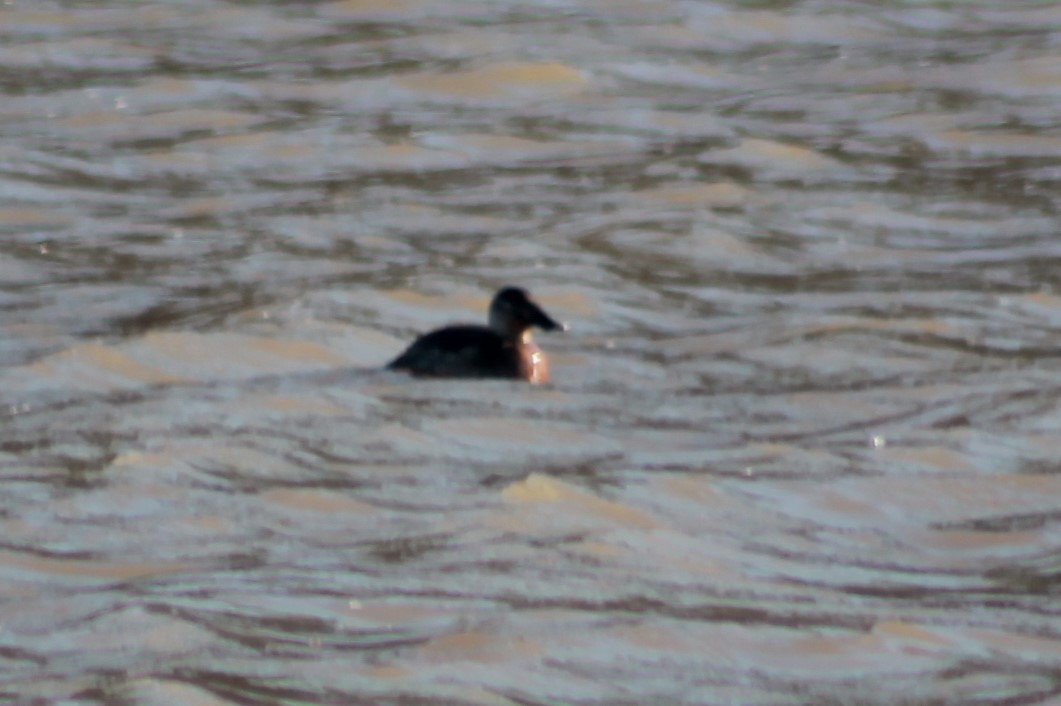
(468,351)
(504,349)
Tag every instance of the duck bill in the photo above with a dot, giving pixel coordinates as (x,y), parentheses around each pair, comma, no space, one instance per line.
(536,316)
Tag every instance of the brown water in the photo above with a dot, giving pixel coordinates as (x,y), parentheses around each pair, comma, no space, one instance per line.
(802,444)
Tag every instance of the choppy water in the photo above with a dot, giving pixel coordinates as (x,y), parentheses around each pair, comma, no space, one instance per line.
(802,444)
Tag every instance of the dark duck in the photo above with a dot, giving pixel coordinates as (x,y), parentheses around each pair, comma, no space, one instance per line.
(502,349)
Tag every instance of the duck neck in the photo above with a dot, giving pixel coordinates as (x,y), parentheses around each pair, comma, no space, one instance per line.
(509,329)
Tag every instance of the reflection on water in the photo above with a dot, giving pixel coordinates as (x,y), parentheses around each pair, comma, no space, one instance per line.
(800,445)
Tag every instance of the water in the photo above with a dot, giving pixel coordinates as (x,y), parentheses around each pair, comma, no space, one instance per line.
(801,446)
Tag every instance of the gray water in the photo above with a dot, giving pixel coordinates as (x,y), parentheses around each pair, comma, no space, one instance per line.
(801,444)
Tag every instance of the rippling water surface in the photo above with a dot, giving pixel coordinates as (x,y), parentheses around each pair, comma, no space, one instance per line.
(802,442)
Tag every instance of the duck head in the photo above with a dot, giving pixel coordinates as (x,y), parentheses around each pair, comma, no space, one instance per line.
(513,314)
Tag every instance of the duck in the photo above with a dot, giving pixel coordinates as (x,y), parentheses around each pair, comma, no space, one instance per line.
(504,348)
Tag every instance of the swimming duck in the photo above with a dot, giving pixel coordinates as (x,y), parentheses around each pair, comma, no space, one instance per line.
(503,349)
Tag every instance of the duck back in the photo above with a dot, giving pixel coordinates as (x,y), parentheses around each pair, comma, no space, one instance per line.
(462,351)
